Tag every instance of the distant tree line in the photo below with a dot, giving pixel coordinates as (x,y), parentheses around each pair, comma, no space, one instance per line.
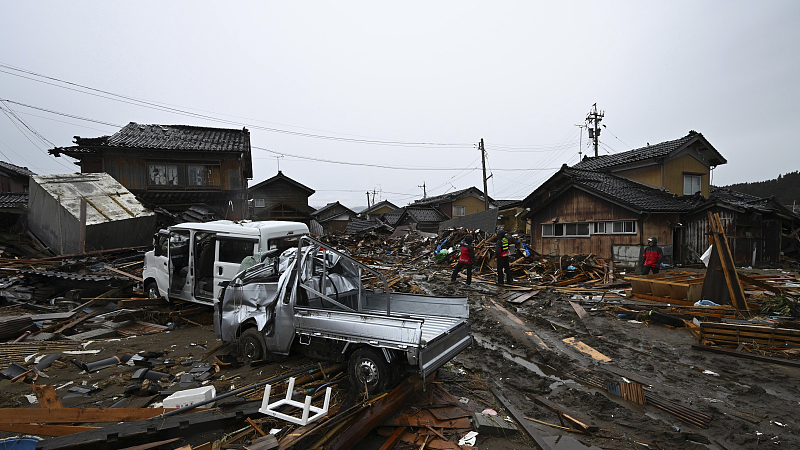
(785,188)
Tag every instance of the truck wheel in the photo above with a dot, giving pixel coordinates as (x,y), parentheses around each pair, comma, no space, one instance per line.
(252,344)
(151,289)
(368,367)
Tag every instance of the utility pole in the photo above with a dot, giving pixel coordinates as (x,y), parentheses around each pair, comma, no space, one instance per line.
(483,163)
(368,207)
(424,192)
(594,118)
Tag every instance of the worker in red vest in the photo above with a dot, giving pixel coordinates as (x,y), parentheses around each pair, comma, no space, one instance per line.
(466,257)
(651,257)
(503,252)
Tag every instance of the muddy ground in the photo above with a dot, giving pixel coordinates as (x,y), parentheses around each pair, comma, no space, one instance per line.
(520,350)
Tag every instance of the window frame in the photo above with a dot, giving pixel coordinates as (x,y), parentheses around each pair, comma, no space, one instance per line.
(179,178)
(692,176)
(462,209)
(259,202)
(561,229)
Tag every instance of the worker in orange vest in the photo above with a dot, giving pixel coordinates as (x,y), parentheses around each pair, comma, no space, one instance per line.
(466,257)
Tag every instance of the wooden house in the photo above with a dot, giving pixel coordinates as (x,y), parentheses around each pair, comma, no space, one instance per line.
(610,205)
(759,230)
(377,209)
(14,184)
(681,166)
(334,217)
(173,166)
(426,218)
(280,198)
(457,203)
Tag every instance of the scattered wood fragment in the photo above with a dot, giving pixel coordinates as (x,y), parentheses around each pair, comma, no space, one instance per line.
(583,348)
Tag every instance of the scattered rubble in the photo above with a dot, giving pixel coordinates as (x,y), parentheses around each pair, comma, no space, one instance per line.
(578,352)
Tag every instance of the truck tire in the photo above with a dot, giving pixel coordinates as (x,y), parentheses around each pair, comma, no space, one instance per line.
(151,290)
(252,345)
(368,367)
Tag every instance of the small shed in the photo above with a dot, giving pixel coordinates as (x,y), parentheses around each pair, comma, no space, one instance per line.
(114,218)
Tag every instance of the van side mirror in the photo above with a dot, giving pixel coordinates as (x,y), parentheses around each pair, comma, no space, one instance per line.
(156,245)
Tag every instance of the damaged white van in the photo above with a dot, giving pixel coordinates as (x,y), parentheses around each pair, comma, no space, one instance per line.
(191,261)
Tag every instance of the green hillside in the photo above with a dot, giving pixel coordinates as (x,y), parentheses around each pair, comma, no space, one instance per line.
(785,188)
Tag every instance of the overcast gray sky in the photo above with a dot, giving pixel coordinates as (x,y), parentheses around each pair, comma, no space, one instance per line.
(420,82)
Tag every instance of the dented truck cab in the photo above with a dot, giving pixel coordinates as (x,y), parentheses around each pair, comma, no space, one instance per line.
(311,299)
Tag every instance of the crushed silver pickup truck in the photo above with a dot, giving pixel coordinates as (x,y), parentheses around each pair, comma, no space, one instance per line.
(311,299)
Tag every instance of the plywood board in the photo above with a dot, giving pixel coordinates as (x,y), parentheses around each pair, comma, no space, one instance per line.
(583,348)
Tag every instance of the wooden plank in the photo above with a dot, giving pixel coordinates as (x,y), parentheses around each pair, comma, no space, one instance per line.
(43,430)
(583,348)
(380,410)
(267,442)
(753,356)
(726,261)
(586,319)
(139,302)
(115,270)
(394,439)
(78,415)
(46,396)
(522,298)
(424,418)
(519,417)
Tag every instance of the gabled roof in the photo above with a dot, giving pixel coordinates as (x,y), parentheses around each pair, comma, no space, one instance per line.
(419,214)
(503,204)
(453,196)
(393,216)
(631,194)
(378,205)
(653,152)
(736,199)
(22,171)
(166,137)
(281,176)
(316,214)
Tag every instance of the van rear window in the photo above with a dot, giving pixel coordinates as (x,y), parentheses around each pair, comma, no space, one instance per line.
(235,250)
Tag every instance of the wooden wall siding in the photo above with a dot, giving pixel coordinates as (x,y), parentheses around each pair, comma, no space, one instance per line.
(658,226)
(379,211)
(281,191)
(131,172)
(675,168)
(13,184)
(673,174)
(578,206)
(698,229)
(471,205)
(650,176)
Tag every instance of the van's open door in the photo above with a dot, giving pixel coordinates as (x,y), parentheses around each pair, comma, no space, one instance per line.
(231,250)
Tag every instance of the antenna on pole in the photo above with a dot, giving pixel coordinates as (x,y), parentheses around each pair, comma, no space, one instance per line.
(424,192)
(278,158)
(594,118)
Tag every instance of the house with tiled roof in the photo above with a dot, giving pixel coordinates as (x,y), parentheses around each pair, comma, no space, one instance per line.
(378,209)
(609,205)
(334,217)
(173,166)
(426,218)
(681,166)
(14,183)
(458,203)
(280,198)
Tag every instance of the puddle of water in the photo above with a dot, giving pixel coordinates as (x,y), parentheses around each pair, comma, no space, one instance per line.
(542,371)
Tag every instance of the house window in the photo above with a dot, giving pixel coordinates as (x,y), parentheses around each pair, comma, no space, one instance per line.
(459,211)
(259,203)
(575,229)
(617,227)
(691,184)
(163,174)
(202,175)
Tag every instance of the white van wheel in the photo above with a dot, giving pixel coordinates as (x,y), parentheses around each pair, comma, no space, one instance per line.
(151,289)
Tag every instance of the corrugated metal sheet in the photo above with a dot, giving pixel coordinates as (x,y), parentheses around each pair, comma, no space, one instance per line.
(107,199)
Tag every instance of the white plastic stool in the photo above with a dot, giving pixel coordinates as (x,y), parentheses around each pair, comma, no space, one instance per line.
(270,408)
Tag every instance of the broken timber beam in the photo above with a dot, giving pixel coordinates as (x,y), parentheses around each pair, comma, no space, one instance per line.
(77,415)
(125,434)
(43,430)
(520,418)
(380,410)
